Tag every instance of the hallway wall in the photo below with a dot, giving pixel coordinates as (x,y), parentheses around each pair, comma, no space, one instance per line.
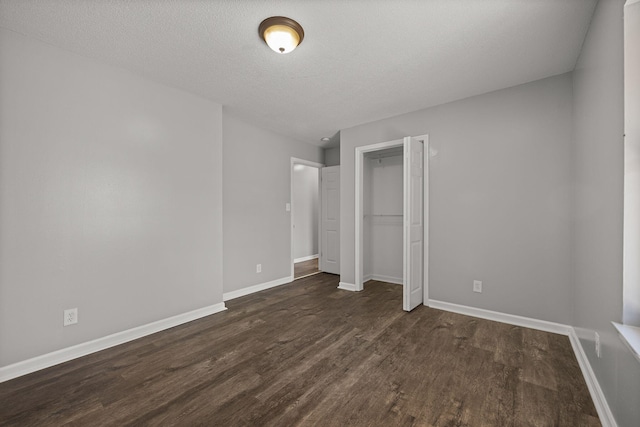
(256,188)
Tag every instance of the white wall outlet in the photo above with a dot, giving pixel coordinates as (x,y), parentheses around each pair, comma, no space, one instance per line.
(70,317)
(597,339)
(287,207)
(258,268)
(477,286)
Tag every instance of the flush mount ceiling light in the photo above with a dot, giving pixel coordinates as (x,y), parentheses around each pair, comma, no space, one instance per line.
(281,34)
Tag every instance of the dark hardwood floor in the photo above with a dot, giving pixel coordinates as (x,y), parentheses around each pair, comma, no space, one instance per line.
(307,353)
(305,268)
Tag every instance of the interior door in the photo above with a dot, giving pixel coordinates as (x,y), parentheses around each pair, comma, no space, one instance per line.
(330,220)
(413,270)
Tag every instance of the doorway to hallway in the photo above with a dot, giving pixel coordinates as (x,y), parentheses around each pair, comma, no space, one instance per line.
(305,217)
(305,268)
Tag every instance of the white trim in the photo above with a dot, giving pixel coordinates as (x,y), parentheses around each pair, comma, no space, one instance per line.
(425,216)
(319,166)
(383,278)
(348,287)
(600,402)
(295,160)
(64,355)
(306,258)
(512,319)
(256,288)
(406,224)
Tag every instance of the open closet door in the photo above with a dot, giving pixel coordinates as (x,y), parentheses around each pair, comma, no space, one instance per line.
(330,220)
(413,271)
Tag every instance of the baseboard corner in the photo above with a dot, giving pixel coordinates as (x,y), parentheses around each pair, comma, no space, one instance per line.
(599,400)
(256,288)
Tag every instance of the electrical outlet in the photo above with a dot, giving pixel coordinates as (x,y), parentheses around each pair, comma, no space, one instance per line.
(258,268)
(597,339)
(70,317)
(477,286)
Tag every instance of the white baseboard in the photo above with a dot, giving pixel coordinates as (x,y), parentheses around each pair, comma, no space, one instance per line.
(306,258)
(256,288)
(64,355)
(382,278)
(347,286)
(600,402)
(512,319)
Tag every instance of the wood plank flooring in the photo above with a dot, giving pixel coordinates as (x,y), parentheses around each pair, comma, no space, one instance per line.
(305,268)
(307,353)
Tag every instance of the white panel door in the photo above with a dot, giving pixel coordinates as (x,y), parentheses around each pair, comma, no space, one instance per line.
(413,271)
(330,220)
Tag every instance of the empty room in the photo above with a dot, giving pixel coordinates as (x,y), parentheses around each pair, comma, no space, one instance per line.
(331,213)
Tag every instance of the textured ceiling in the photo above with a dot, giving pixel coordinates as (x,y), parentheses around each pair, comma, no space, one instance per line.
(360,60)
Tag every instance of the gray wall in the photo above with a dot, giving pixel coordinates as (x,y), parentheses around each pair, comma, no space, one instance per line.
(631,309)
(332,156)
(110,199)
(305,210)
(256,187)
(598,204)
(499,189)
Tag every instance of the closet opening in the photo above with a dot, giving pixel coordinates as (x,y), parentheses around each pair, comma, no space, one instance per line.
(382,218)
(392,216)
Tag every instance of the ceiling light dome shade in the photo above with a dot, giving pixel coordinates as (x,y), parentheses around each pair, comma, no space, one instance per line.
(281,34)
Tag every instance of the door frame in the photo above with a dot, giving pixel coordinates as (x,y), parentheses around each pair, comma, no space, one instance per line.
(318,166)
(359,208)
